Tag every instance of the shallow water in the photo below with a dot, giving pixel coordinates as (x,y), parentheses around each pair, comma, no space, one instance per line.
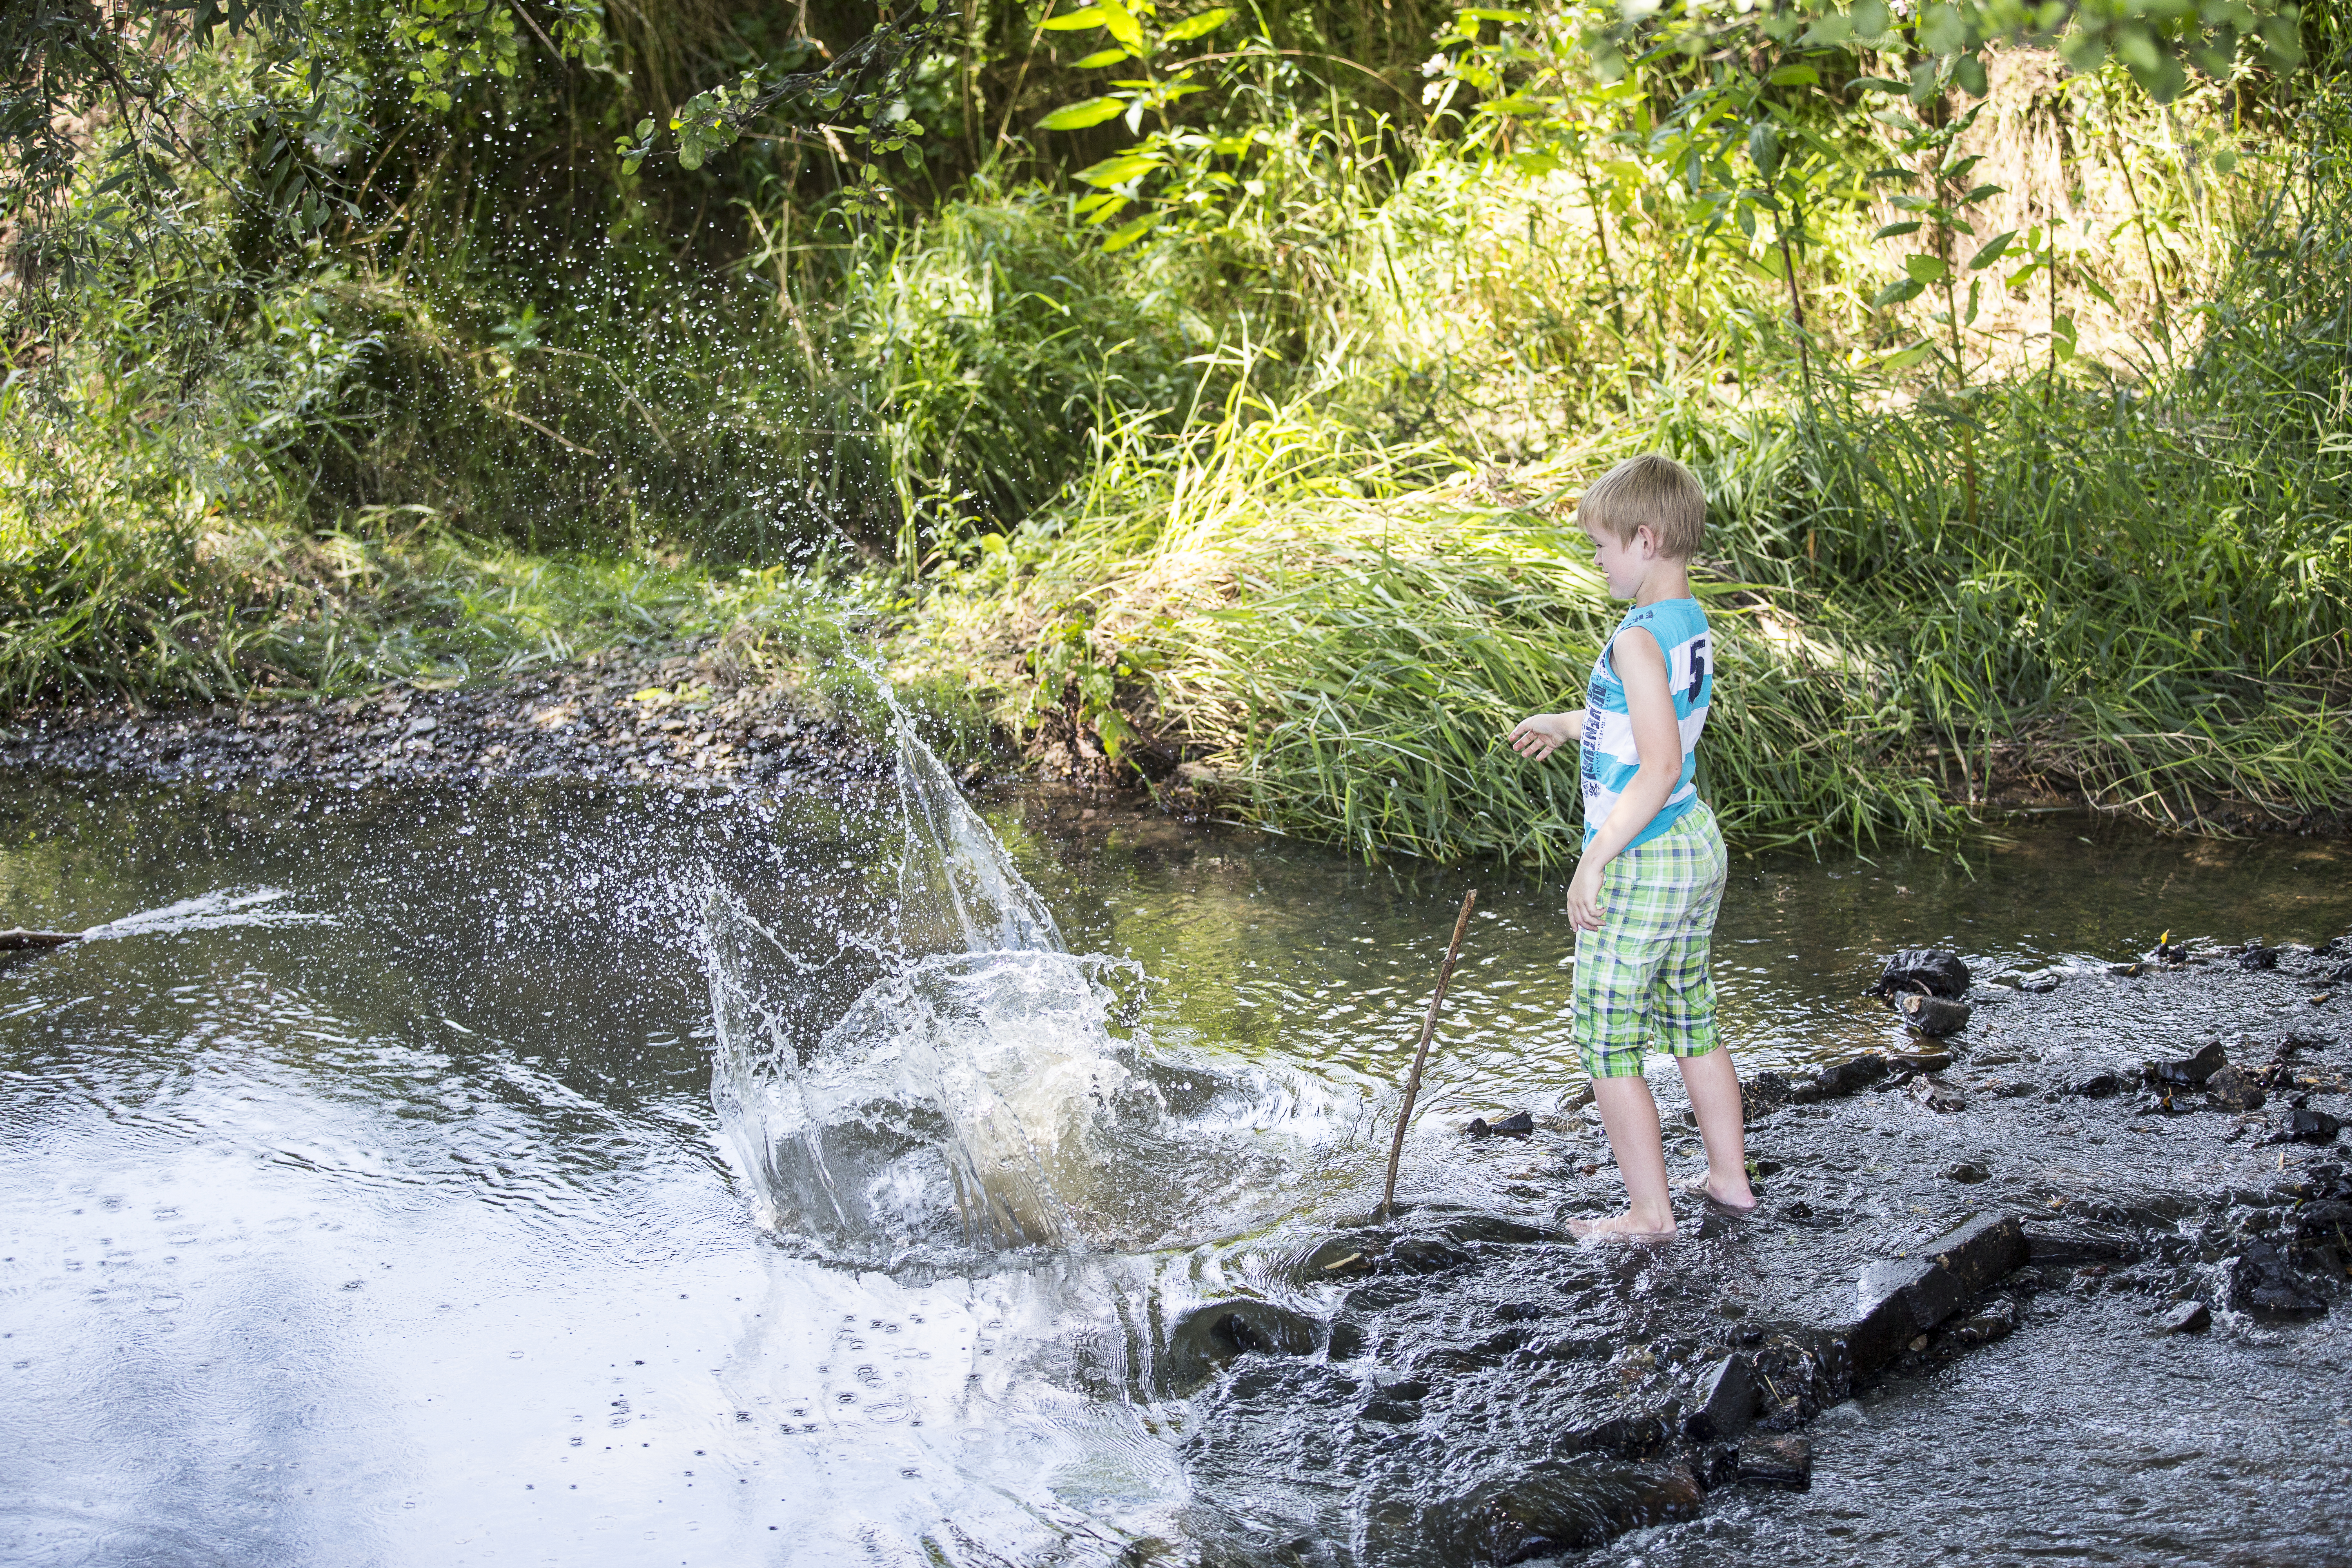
(364,1200)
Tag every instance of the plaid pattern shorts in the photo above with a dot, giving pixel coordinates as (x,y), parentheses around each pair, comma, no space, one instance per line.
(1644,971)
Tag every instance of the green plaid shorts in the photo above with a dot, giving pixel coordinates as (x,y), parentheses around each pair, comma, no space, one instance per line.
(1645,969)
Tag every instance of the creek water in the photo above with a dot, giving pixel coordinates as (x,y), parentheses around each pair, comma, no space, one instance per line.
(557,1174)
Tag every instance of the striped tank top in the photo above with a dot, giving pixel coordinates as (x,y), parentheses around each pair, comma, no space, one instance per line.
(1606,756)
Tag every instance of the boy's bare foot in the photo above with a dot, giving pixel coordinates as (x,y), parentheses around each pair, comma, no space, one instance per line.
(1624,1226)
(1740,1199)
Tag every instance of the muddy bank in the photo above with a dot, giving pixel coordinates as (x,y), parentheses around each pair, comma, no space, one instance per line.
(692,718)
(2112,1186)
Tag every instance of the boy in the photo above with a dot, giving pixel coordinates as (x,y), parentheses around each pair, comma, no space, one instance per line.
(1644,895)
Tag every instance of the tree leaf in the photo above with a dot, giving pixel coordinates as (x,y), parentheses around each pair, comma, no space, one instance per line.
(1926,269)
(1128,233)
(1071,21)
(1100,57)
(1892,229)
(1896,293)
(1197,27)
(1078,116)
(1994,249)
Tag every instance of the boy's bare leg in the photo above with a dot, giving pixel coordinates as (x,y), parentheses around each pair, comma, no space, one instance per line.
(1713,1089)
(1631,1117)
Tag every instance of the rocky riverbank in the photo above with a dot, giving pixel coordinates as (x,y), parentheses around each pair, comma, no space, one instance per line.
(2105,1162)
(692,718)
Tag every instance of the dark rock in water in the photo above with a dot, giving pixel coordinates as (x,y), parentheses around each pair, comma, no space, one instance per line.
(1851,1077)
(1423,1255)
(1902,1298)
(1717,1465)
(1785,1461)
(1921,1058)
(2233,1089)
(2261,1281)
(1563,1506)
(1216,1333)
(1941,1098)
(2189,1072)
(1921,970)
(1477,1128)
(2303,1125)
(1995,1320)
(2099,1086)
(2188,1318)
(1517,1125)
(1934,1014)
(1723,1402)
(2254,955)
(2127,971)
(2169,952)
(1968,1171)
(2326,1221)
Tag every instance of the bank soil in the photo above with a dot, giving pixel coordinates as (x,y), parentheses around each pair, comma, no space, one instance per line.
(692,718)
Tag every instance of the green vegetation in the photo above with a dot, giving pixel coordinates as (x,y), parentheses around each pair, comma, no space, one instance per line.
(1235,414)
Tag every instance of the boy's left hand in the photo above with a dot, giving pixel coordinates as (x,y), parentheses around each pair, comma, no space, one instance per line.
(1584,910)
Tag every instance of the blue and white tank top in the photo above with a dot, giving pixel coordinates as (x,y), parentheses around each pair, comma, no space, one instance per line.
(1606,756)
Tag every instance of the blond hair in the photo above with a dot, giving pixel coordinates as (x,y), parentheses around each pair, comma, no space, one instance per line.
(1653,491)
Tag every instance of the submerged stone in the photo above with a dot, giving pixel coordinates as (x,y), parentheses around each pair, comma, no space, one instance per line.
(2190,1071)
(2232,1088)
(1851,1077)
(1968,1171)
(2254,955)
(1934,1014)
(1786,1462)
(2188,1318)
(1517,1125)
(1216,1333)
(2100,1086)
(2261,1282)
(2303,1125)
(1564,1506)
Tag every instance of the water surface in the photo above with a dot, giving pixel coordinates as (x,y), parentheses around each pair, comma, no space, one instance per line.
(363,1197)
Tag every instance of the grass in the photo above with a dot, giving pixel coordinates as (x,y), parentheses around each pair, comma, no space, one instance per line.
(1290,495)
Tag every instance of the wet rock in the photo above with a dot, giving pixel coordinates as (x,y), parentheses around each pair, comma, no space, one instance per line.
(1424,1255)
(1901,1298)
(1968,1171)
(2304,1125)
(2261,1281)
(1995,1320)
(1934,1014)
(1851,1077)
(1716,1465)
(2330,1221)
(1216,1333)
(2188,1318)
(2100,1086)
(1924,1059)
(1723,1402)
(1565,1505)
(1941,1098)
(2254,955)
(1922,971)
(2233,1089)
(1518,1124)
(1786,1462)
(2190,1071)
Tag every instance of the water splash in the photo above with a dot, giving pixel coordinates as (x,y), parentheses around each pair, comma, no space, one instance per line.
(962,1098)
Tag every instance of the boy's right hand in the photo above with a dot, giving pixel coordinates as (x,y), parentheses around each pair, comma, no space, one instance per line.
(1539,735)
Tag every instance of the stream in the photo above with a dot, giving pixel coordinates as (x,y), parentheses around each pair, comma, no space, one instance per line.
(599,1176)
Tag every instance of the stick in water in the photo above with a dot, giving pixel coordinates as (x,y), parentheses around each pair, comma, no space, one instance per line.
(1428,1027)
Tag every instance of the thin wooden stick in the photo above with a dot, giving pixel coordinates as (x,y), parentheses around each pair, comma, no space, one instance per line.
(1420,1056)
(18,937)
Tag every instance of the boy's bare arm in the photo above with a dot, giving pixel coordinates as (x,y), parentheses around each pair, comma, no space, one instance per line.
(1641,665)
(1539,735)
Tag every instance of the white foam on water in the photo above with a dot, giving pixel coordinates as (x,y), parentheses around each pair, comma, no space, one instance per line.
(210,912)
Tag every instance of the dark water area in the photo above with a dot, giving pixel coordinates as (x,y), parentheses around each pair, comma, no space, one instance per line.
(363,1198)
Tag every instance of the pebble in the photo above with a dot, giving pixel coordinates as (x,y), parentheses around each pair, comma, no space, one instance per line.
(2188,1318)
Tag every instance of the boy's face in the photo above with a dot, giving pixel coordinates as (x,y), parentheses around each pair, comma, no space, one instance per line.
(1624,562)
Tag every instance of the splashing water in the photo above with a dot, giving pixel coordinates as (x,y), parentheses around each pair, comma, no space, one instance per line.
(970,1095)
